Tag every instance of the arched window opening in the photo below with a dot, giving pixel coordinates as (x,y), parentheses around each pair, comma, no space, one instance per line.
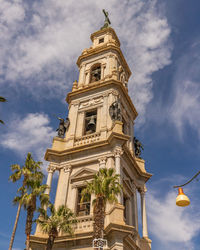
(82,208)
(90,122)
(95,73)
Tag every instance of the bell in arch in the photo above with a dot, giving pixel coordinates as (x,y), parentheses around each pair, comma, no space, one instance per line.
(91,124)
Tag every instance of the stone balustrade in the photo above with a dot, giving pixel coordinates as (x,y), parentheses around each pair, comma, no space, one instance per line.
(86,139)
(84,223)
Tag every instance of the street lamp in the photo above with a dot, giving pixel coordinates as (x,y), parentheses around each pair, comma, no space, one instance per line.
(182,200)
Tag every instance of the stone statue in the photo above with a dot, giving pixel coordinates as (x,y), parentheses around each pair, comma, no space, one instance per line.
(63,126)
(138,146)
(107,20)
(115,111)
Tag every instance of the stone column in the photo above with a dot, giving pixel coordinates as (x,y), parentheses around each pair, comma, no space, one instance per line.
(130,213)
(67,171)
(117,153)
(81,75)
(102,162)
(73,198)
(87,77)
(50,170)
(131,139)
(135,208)
(62,187)
(91,201)
(73,116)
(143,213)
(103,66)
(103,122)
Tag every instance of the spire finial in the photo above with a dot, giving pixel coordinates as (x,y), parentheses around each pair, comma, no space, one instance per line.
(107,21)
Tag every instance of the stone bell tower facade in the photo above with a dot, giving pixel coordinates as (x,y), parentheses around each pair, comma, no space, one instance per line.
(100,135)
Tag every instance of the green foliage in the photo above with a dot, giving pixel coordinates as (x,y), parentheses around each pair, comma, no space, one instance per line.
(105,184)
(31,189)
(61,219)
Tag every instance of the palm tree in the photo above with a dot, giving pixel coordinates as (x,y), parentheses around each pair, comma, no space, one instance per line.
(2,99)
(28,198)
(105,186)
(28,171)
(61,219)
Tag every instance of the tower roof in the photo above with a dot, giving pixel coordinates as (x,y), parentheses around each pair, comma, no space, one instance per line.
(105,31)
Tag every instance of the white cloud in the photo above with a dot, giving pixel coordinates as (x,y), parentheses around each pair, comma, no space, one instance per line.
(185,105)
(173,227)
(28,134)
(43,49)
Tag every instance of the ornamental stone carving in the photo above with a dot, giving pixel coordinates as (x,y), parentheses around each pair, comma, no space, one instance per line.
(118,152)
(102,160)
(51,168)
(67,168)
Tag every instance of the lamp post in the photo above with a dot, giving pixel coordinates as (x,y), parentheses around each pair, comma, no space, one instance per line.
(182,200)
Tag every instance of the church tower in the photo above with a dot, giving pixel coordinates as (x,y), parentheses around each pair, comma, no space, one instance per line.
(99,134)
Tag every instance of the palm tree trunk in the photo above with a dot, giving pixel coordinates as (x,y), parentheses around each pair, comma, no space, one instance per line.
(50,242)
(28,229)
(15,227)
(99,216)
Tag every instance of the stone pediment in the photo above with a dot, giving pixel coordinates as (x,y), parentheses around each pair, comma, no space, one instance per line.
(83,174)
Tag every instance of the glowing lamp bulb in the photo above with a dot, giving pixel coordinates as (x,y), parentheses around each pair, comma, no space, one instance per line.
(182,200)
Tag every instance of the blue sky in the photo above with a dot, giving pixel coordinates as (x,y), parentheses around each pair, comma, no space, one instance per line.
(40,42)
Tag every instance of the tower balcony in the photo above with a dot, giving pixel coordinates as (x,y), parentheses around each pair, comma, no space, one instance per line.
(86,139)
(84,223)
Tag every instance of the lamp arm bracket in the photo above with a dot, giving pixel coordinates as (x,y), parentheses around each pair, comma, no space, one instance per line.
(188,181)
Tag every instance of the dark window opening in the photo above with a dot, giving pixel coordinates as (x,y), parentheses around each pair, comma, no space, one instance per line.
(95,73)
(125,199)
(82,208)
(124,126)
(101,40)
(90,122)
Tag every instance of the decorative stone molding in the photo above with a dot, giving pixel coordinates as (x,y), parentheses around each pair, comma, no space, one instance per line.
(142,190)
(82,175)
(51,168)
(133,186)
(75,103)
(118,152)
(102,160)
(67,168)
(75,86)
(114,92)
(91,102)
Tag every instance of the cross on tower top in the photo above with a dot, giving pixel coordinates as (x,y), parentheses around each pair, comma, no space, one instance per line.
(107,21)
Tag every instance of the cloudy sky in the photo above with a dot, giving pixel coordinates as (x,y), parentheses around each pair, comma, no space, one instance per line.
(40,42)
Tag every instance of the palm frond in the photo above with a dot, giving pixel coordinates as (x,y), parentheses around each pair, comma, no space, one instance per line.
(61,219)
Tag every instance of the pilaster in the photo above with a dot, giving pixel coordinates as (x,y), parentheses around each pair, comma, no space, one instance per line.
(62,187)
(117,154)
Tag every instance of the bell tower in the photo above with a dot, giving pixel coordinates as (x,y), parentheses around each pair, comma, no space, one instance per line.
(99,134)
